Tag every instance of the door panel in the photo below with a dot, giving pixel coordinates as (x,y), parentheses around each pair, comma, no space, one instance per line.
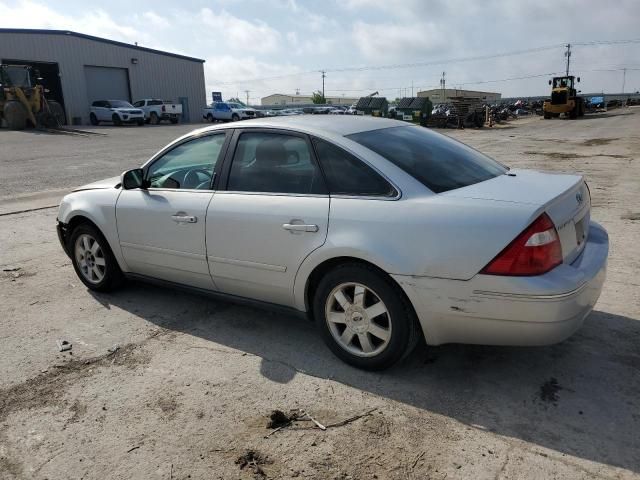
(256,242)
(162,234)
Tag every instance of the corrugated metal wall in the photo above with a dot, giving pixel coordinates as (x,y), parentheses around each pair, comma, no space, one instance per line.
(154,75)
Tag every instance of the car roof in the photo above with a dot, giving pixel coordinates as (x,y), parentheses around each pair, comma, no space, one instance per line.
(318,124)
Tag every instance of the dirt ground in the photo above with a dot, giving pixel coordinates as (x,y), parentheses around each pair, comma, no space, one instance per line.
(161,384)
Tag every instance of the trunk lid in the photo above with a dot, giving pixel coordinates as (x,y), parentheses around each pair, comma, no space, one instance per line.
(565,198)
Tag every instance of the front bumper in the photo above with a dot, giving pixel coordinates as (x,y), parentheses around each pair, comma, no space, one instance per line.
(494,310)
(63,236)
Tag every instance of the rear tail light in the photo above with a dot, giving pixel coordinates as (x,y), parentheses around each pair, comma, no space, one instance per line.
(534,252)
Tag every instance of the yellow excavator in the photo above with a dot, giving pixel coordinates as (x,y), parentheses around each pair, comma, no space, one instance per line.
(23,102)
(564,98)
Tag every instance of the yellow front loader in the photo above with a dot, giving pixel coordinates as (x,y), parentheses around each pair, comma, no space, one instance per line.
(22,100)
(564,98)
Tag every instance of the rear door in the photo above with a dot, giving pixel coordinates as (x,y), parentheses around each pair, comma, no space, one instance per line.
(273,213)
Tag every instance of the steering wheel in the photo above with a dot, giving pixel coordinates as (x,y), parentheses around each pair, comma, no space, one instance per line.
(193,180)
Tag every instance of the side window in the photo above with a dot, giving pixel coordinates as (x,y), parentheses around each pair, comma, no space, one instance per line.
(189,165)
(347,175)
(139,103)
(275,163)
(155,102)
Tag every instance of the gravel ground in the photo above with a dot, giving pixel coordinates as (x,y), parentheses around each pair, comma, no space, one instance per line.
(166,385)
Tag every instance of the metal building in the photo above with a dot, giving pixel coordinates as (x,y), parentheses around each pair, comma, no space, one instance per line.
(280,99)
(437,95)
(79,69)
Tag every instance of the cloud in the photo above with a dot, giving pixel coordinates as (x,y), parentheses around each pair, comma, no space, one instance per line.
(389,40)
(155,20)
(29,14)
(241,34)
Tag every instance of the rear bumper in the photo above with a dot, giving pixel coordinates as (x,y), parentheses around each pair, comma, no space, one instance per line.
(494,310)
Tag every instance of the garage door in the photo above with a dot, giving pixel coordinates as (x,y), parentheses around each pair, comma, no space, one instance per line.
(106,83)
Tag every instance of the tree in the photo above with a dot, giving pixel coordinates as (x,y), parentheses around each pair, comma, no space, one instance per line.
(317,97)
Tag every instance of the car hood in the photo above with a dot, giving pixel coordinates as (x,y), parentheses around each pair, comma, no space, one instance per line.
(100,184)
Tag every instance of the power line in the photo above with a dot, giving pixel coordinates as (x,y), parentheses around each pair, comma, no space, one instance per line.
(435,62)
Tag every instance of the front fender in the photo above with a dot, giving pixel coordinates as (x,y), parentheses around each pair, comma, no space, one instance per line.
(99,206)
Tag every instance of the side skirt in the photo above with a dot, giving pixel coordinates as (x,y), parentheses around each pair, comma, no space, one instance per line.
(225,297)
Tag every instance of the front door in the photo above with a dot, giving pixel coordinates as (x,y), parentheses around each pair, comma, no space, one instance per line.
(273,214)
(162,228)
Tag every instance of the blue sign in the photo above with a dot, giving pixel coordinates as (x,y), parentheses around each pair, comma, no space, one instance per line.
(216,96)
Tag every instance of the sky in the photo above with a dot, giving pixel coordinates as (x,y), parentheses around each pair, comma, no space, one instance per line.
(393,47)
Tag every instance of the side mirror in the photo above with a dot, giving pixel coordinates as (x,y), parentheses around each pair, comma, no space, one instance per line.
(578,79)
(132,179)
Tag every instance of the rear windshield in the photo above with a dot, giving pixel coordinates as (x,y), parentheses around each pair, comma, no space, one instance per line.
(439,162)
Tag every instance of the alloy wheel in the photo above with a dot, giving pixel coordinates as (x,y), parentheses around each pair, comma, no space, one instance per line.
(90,258)
(358,319)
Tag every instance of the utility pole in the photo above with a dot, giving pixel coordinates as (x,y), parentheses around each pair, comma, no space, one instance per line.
(624,78)
(442,85)
(323,75)
(412,88)
(247,92)
(568,55)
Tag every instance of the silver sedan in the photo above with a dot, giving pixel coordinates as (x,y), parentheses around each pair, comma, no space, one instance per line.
(385,234)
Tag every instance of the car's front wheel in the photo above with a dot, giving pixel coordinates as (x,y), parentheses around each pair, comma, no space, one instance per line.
(93,260)
(364,318)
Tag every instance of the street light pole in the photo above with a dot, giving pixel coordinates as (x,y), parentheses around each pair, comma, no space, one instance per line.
(323,75)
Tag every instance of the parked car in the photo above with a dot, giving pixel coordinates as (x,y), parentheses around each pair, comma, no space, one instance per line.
(228,111)
(116,111)
(156,110)
(351,110)
(336,111)
(426,238)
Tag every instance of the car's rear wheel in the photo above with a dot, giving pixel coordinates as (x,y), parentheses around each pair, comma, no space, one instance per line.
(364,318)
(93,119)
(93,260)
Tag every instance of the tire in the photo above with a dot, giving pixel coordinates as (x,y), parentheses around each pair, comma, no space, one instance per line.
(235,117)
(141,123)
(210,118)
(173,121)
(93,119)
(111,275)
(573,114)
(394,318)
(116,120)
(153,118)
(15,115)
(57,113)
(547,116)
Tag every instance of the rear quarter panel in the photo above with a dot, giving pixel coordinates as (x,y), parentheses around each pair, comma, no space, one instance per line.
(452,238)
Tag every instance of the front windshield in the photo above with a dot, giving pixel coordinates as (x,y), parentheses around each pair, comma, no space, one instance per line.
(18,76)
(562,83)
(120,104)
(439,162)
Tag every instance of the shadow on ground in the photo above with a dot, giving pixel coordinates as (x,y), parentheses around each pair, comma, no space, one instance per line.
(592,412)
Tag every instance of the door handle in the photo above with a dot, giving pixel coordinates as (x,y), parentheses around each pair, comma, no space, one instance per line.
(184,218)
(300,228)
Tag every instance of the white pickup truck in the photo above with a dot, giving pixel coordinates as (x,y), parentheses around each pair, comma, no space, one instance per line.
(228,111)
(156,110)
